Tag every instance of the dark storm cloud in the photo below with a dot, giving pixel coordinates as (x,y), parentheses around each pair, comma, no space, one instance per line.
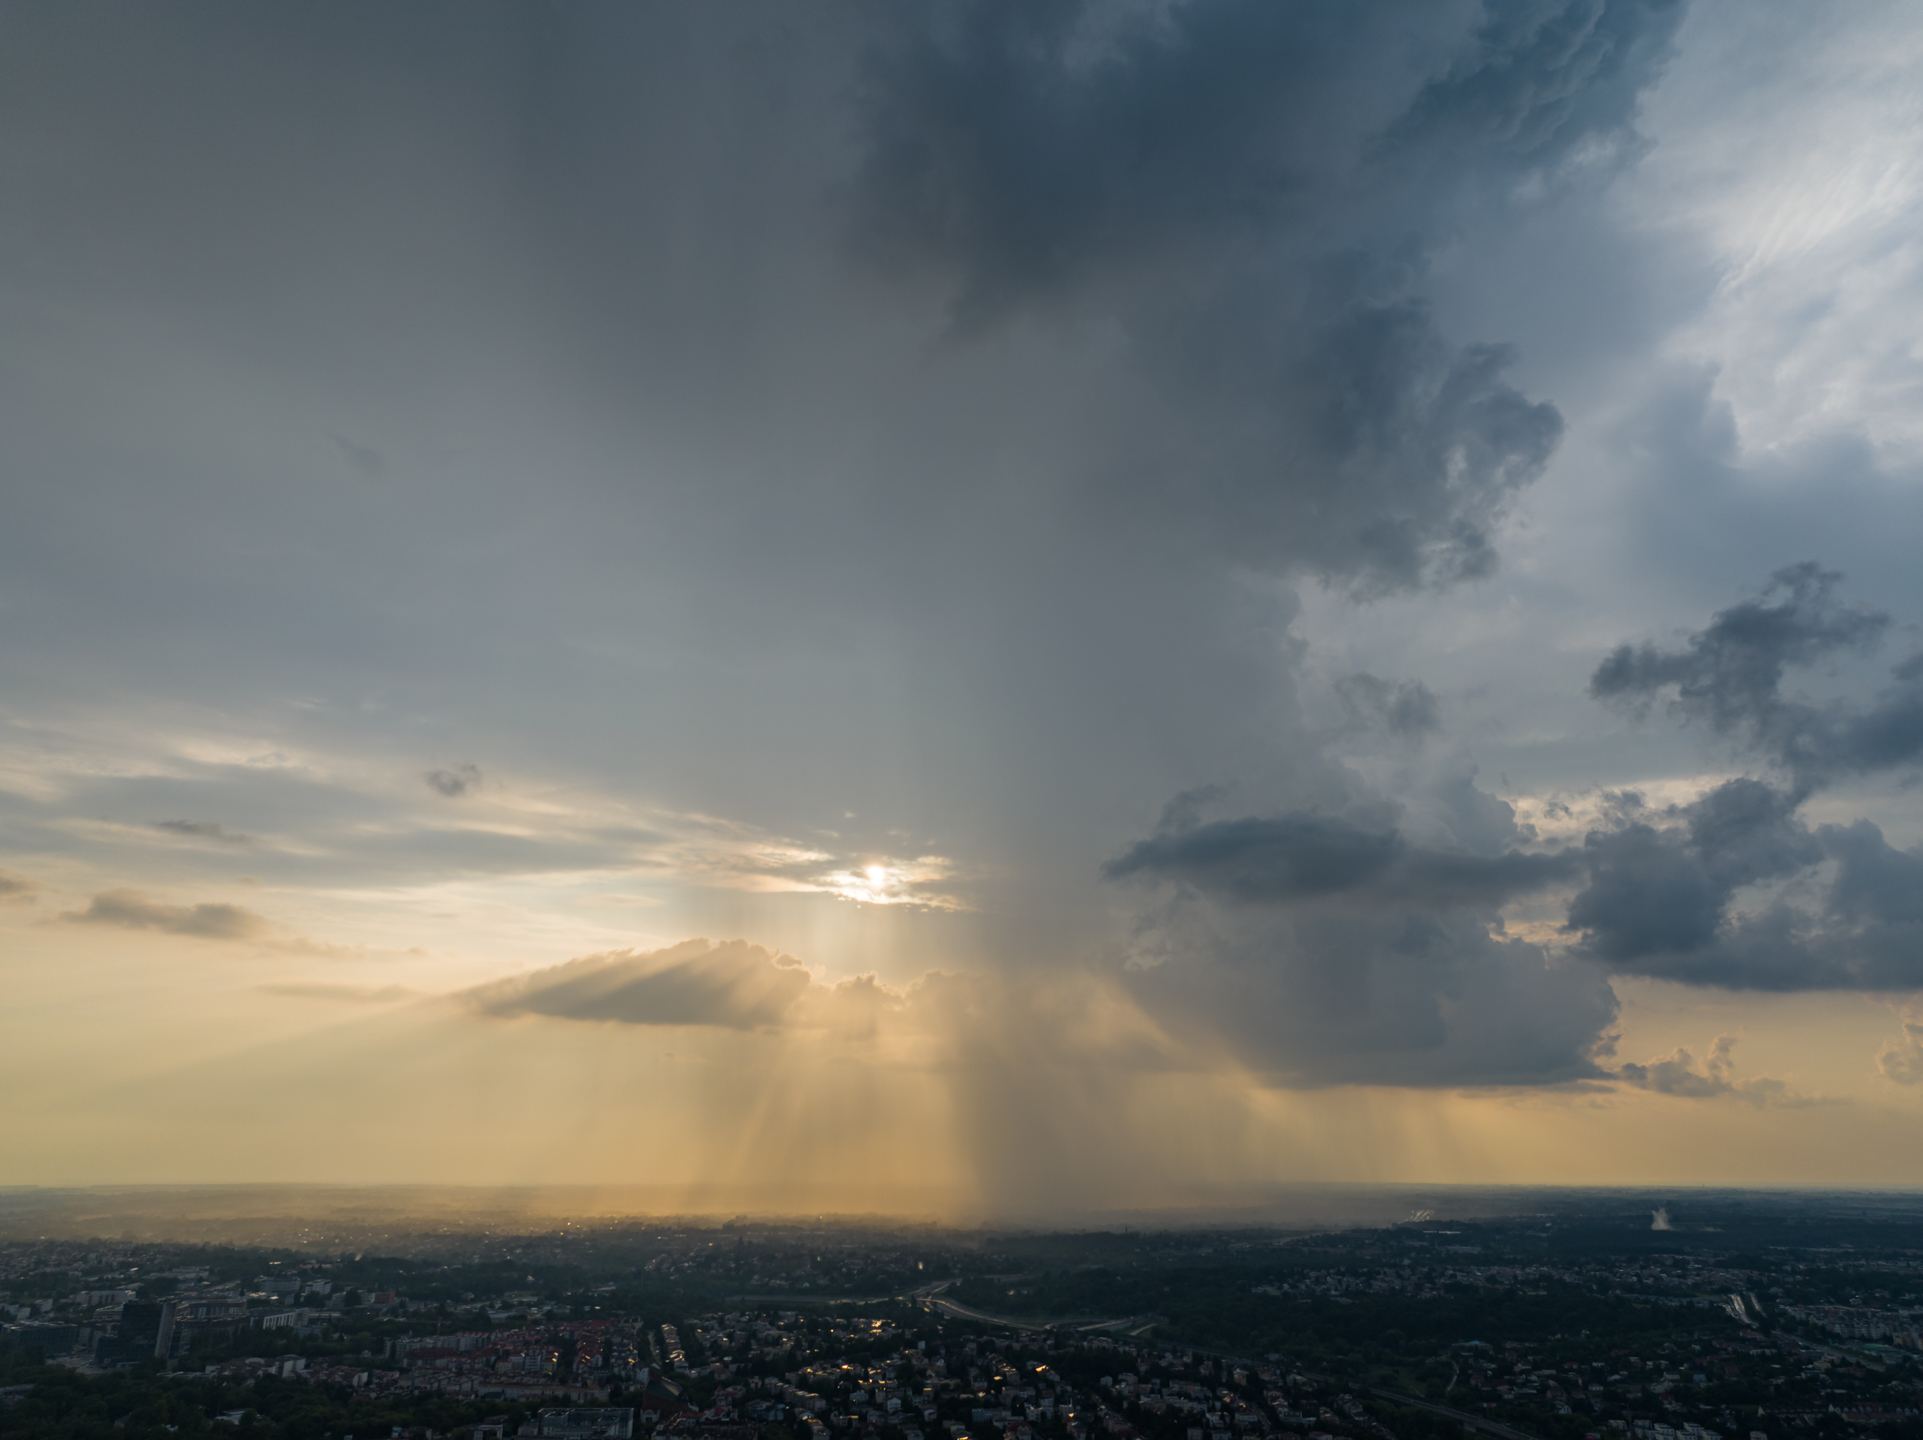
(1328,950)
(1664,899)
(456,782)
(1730,677)
(131,910)
(1361,446)
(735,985)
(1726,891)
(1030,148)
(1024,153)
(1299,857)
(1250,190)
(1660,890)
(1544,80)
(1876,884)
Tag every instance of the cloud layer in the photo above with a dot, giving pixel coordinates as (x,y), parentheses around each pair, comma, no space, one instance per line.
(527,488)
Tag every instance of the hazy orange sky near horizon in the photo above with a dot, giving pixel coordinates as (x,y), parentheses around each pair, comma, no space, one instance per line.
(1052,609)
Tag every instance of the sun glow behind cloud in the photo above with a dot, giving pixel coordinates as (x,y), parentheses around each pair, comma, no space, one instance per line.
(897,882)
(958,1096)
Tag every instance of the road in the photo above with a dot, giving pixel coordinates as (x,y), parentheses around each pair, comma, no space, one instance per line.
(931,1298)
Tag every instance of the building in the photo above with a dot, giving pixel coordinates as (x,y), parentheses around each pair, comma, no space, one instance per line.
(144,1331)
(578,1424)
(662,1396)
(49,1339)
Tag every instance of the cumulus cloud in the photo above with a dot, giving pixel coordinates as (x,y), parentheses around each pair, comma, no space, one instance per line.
(17,889)
(1677,1073)
(1729,890)
(131,910)
(456,782)
(1901,1058)
(1337,945)
(735,985)
(1725,889)
(1664,890)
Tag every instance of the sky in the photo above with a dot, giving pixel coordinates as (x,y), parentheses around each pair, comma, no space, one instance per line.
(984,608)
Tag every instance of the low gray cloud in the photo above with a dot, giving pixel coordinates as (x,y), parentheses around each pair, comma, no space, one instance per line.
(1725,890)
(203,830)
(1730,677)
(131,910)
(17,889)
(1300,856)
(735,985)
(455,782)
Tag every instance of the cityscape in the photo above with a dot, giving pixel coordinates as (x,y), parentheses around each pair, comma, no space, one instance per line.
(1726,1318)
(961,720)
